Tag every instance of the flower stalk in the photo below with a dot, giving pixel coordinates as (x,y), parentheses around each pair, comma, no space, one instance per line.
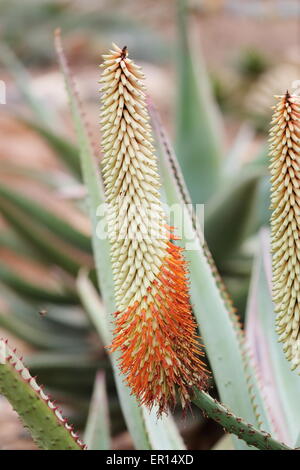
(285,222)
(155,331)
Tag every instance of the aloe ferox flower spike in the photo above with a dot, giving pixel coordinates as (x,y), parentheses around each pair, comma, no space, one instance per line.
(155,331)
(285,222)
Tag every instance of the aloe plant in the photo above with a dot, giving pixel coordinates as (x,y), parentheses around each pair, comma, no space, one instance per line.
(198,133)
(69,321)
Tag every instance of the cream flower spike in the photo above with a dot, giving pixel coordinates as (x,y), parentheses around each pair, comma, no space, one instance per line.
(155,330)
(285,222)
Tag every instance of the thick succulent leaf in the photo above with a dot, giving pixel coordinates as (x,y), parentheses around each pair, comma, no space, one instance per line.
(46,218)
(97,432)
(51,362)
(235,158)
(224,443)
(44,421)
(22,79)
(42,330)
(40,336)
(46,119)
(52,248)
(236,425)
(65,150)
(281,385)
(35,291)
(263,203)
(198,133)
(262,158)
(14,242)
(59,371)
(230,214)
(53,179)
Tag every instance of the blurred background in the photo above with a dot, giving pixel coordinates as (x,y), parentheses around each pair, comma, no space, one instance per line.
(212,70)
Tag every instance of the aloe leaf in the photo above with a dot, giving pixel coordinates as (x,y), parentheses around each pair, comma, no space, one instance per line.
(66,151)
(264,202)
(51,362)
(282,386)
(52,179)
(14,242)
(235,158)
(44,421)
(22,79)
(27,333)
(39,335)
(97,434)
(238,426)
(238,286)
(224,443)
(59,371)
(230,214)
(144,436)
(262,158)
(41,330)
(198,134)
(47,218)
(46,243)
(220,329)
(94,307)
(35,291)
(45,116)
(163,433)
(67,388)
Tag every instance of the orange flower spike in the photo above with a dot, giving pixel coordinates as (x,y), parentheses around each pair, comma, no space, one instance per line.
(155,331)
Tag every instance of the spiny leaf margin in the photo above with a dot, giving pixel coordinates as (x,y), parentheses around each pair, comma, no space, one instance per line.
(48,428)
